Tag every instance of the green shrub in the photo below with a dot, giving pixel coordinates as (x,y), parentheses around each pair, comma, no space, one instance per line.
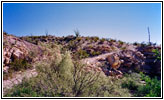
(81,54)
(121,42)
(112,40)
(102,40)
(72,45)
(19,64)
(151,89)
(95,53)
(22,90)
(130,85)
(95,39)
(157,54)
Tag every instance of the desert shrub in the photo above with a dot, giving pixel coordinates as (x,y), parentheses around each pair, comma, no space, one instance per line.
(151,89)
(79,39)
(135,43)
(143,44)
(95,53)
(71,45)
(112,40)
(95,39)
(157,54)
(87,38)
(80,54)
(130,85)
(102,40)
(120,42)
(16,65)
(22,90)
(19,64)
(123,48)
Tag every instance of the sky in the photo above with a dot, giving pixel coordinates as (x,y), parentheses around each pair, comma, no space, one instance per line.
(122,21)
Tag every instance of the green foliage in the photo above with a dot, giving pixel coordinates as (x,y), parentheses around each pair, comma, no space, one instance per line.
(72,45)
(157,54)
(130,85)
(95,39)
(22,90)
(66,66)
(112,40)
(95,53)
(121,42)
(151,89)
(80,54)
(19,64)
(123,48)
(102,40)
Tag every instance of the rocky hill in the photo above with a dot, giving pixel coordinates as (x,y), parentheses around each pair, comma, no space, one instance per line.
(111,57)
(134,56)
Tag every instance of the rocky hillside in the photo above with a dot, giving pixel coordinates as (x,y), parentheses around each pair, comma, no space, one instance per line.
(138,57)
(111,57)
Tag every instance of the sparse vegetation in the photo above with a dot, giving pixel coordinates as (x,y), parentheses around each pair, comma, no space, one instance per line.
(62,74)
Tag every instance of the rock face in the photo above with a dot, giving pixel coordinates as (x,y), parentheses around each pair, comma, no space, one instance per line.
(152,65)
(117,63)
(132,59)
(15,48)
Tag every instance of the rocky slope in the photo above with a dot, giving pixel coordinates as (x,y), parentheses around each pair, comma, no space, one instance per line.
(15,48)
(112,57)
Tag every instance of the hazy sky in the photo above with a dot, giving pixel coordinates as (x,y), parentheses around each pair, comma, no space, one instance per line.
(122,21)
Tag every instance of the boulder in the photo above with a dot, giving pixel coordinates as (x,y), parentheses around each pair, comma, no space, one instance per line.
(114,61)
(17,54)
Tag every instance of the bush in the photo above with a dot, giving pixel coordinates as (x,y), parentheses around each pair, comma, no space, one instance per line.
(95,53)
(95,39)
(131,85)
(135,43)
(157,54)
(102,40)
(80,54)
(112,40)
(121,42)
(19,64)
(151,89)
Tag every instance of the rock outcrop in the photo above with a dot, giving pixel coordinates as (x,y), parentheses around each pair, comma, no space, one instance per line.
(15,48)
(152,65)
